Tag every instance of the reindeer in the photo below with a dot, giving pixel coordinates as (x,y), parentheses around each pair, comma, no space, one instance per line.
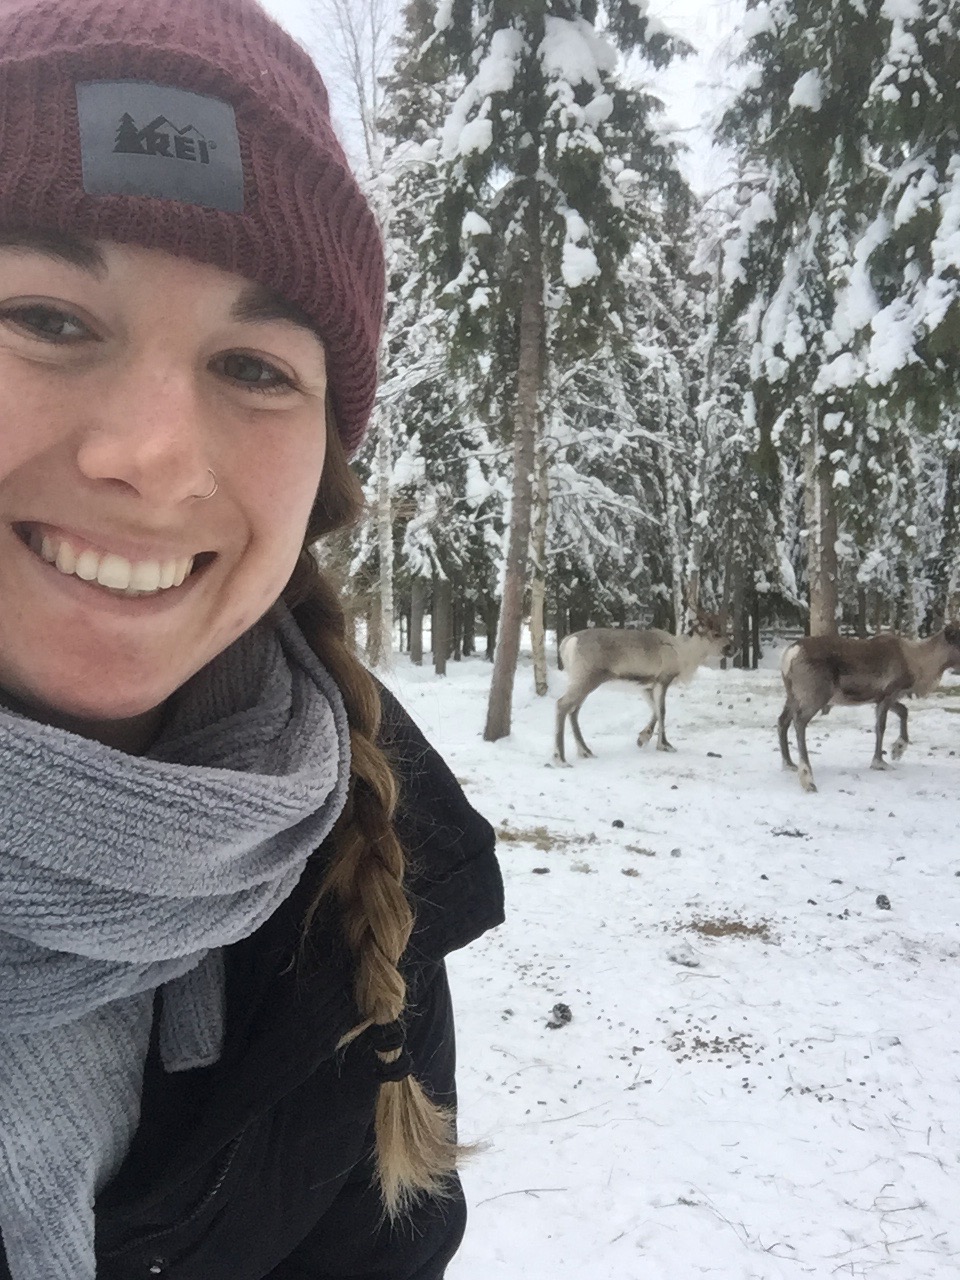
(653,659)
(820,672)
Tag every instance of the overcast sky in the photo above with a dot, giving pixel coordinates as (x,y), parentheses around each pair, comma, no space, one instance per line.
(688,89)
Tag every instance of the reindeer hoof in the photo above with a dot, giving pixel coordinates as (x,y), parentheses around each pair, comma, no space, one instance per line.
(898,748)
(789,766)
(558,762)
(806,779)
(878,764)
(584,753)
(642,741)
(665,746)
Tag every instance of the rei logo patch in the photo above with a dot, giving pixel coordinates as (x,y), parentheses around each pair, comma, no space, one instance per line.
(142,139)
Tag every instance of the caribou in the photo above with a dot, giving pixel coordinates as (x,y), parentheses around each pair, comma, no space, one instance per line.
(652,659)
(820,672)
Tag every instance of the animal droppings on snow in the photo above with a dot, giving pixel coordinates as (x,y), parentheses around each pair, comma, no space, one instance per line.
(730,927)
(560,1015)
(883,902)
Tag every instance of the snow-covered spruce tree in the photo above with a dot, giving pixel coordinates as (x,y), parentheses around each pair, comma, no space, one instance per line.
(737,554)
(911,245)
(618,428)
(898,328)
(880,258)
(534,223)
(443,503)
(809,178)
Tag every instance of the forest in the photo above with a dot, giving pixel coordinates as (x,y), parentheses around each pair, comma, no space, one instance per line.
(610,399)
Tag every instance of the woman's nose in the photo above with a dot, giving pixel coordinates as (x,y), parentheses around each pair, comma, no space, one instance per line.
(147,432)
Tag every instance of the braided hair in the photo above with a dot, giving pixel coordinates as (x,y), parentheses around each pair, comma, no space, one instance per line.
(416,1150)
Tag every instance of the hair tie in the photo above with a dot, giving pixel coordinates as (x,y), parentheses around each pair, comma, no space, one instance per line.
(388,1037)
(392,1072)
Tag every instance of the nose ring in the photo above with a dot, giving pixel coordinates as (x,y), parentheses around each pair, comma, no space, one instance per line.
(202,497)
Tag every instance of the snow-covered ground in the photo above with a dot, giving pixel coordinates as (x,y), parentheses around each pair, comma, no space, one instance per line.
(761,1074)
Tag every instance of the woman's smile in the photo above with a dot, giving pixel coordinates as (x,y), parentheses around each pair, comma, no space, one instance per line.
(162,440)
(132,574)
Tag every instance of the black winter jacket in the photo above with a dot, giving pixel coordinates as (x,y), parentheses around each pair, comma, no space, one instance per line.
(259,1168)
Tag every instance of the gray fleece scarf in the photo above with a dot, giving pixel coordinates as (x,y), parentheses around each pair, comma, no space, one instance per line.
(121,874)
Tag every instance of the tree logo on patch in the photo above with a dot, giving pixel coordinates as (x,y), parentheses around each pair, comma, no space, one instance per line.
(162,138)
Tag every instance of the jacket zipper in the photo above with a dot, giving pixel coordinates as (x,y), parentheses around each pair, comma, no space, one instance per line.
(140,1242)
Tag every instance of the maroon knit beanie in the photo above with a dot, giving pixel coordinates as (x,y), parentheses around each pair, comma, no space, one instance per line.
(199,127)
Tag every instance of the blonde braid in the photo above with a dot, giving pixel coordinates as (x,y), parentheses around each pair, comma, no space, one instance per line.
(416,1150)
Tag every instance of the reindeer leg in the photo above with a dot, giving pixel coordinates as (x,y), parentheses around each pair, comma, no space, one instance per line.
(901,744)
(660,693)
(878,761)
(647,733)
(783,726)
(582,747)
(558,748)
(805,773)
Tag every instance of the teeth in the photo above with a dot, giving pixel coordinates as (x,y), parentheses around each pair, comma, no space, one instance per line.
(87,563)
(66,561)
(114,572)
(143,577)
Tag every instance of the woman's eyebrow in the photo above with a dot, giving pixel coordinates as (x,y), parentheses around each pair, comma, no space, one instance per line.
(70,249)
(257,303)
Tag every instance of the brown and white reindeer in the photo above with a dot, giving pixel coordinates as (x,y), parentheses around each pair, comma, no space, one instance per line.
(652,659)
(820,672)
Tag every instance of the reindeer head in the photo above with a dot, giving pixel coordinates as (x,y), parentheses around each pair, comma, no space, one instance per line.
(714,628)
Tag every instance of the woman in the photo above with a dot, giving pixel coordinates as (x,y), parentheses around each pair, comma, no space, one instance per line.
(226,1046)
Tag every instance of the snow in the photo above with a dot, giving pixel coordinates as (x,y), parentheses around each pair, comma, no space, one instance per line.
(579,265)
(474,225)
(759,1078)
(759,210)
(573,52)
(495,75)
(476,135)
(443,18)
(757,21)
(807,92)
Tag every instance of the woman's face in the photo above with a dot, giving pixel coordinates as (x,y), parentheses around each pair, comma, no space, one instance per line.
(126,377)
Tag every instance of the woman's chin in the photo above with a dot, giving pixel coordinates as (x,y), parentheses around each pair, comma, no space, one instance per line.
(126,719)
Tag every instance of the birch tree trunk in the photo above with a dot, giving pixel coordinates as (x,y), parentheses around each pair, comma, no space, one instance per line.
(529,376)
(821,517)
(538,585)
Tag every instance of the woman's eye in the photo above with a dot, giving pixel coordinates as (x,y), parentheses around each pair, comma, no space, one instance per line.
(47,322)
(254,372)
